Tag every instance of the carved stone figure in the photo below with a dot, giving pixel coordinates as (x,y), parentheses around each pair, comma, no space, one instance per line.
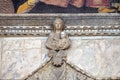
(57,42)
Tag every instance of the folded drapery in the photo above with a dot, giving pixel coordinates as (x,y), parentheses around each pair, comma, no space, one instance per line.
(97,3)
(64,3)
(6,6)
(78,3)
(29,4)
(61,3)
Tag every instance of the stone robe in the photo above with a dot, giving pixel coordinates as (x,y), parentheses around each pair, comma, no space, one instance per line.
(54,43)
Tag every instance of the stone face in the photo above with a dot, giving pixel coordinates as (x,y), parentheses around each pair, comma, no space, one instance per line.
(99,58)
(21,57)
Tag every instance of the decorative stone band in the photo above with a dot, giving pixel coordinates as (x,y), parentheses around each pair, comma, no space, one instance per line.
(71,30)
(24,31)
(76,24)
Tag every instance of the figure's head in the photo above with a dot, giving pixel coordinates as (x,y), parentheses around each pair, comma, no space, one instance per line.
(58,24)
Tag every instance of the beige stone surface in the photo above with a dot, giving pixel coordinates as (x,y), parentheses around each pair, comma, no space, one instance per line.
(22,56)
(0,56)
(65,72)
(99,58)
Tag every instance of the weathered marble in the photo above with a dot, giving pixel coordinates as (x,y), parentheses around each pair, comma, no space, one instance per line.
(0,56)
(24,56)
(65,72)
(21,57)
(99,58)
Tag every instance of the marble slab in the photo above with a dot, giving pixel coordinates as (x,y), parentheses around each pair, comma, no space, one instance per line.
(0,56)
(22,56)
(99,58)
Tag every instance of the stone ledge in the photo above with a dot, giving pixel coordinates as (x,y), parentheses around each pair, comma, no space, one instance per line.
(47,19)
(76,24)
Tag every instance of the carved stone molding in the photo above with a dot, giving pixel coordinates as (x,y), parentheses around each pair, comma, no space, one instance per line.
(76,25)
(97,58)
(71,30)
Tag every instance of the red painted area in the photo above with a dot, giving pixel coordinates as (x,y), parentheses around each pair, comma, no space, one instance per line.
(90,3)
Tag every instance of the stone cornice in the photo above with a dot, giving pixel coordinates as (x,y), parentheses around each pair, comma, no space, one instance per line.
(76,24)
(71,30)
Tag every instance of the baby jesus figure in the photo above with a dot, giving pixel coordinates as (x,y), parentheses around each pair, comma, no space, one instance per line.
(62,42)
(59,55)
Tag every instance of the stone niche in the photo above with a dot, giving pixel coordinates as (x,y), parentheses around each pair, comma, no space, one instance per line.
(94,52)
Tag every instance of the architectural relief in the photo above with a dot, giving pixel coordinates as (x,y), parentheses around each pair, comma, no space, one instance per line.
(76,25)
(29,51)
(57,42)
(65,72)
(70,30)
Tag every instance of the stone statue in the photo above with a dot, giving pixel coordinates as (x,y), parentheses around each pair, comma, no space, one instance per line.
(57,42)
